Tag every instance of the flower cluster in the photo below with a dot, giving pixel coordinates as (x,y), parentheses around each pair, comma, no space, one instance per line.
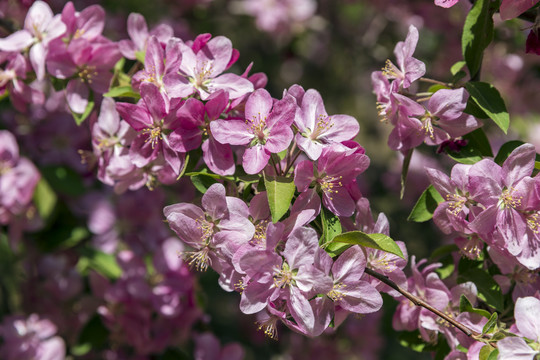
(496,204)
(441,120)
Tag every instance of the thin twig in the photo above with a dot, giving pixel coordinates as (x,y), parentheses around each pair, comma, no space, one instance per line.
(419,302)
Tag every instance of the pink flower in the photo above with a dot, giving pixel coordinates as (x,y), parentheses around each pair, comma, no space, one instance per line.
(409,69)
(139,34)
(528,325)
(40,27)
(203,68)
(511,199)
(265,131)
(30,338)
(316,129)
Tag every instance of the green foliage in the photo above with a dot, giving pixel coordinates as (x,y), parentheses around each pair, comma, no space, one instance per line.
(45,199)
(280,191)
(487,97)
(466,306)
(491,325)
(331,226)
(507,148)
(476,149)
(123,91)
(374,241)
(488,290)
(477,35)
(425,206)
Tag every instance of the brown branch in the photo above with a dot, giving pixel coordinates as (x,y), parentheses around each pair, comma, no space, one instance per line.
(419,302)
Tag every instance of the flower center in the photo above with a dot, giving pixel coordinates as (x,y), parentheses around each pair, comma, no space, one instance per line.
(87,73)
(324,123)
(507,200)
(329,185)
(336,294)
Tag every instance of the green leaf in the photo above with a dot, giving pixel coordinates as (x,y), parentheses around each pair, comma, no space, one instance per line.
(140,55)
(466,306)
(202,182)
(425,206)
(447,268)
(475,110)
(44,198)
(457,67)
(477,34)
(405,170)
(488,290)
(103,263)
(506,149)
(331,226)
(436,87)
(280,191)
(493,355)
(79,118)
(487,97)
(476,149)
(123,91)
(485,352)
(374,241)
(491,325)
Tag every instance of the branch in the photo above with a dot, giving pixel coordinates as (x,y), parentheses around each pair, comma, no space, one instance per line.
(419,302)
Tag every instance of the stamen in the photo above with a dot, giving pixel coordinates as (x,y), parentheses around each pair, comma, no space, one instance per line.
(336,294)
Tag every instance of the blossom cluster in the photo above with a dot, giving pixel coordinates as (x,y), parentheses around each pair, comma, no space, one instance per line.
(441,121)
(492,204)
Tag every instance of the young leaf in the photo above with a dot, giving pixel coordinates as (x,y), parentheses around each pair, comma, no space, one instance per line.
(280,191)
(477,34)
(425,206)
(491,325)
(485,352)
(374,241)
(122,91)
(487,97)
(466,306)
(457,67)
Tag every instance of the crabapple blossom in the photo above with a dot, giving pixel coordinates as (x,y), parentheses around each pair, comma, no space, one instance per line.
(316,129)
(511,200)
(528,326)
(266,129)
(409,69)
(139,34)
(40,28)
(30,338)
(202,68)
